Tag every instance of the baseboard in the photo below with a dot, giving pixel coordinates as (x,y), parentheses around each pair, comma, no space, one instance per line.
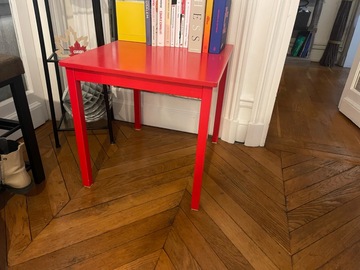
(37,115)
(350,109)
(162,111)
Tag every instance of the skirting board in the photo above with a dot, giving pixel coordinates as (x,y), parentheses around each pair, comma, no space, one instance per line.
(37,115)
(162,111)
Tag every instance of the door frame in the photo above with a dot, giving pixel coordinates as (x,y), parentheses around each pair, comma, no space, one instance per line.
(349,103)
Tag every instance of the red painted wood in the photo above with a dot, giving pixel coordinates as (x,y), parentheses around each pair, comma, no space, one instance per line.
(201,147)
(80,127)
(137,109)
(219,104)
(167,70)
(167,64)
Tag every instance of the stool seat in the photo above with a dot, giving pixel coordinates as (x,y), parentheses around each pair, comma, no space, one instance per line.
(10,66)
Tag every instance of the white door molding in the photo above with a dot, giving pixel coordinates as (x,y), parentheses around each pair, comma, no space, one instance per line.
(261,44)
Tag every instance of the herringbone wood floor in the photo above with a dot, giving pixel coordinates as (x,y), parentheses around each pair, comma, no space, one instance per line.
(294,204)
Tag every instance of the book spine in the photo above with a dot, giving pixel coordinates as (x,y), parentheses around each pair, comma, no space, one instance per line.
(225,25)
(173,23)
(182,23)
(207,25)
(217,26)
(148,21)
(153,22)
(161,23)
(187,22)
(178,22)
(167,22)
(197,25)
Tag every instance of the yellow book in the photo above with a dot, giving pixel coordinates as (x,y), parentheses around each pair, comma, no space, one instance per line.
(130,16)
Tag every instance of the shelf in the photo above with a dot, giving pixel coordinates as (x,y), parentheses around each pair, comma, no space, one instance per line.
(310,28)
(66,122)
(297,60)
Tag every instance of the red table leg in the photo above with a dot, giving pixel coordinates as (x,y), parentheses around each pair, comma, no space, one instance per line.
(219,105)
(201,147)
(80,127)
(137,109)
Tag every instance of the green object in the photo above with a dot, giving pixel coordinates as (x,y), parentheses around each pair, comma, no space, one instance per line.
(299,42)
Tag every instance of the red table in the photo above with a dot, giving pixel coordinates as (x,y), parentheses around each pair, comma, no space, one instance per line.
(167,70)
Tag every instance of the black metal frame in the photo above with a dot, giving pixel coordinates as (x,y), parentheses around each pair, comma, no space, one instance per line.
(25,123)
(53,59)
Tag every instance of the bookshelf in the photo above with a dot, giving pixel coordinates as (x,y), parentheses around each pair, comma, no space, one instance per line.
(66,121)
(304,32)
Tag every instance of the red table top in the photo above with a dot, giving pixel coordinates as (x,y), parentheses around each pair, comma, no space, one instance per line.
(169,64)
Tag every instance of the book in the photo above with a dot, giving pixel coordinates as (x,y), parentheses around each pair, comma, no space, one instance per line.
(182,23)
(173,23)
(219,25)
(305,49)
(187,22)
(178,23)
(147,4)
(161,22)
(207,25)
(167,22)
(153,22)
(196,29)
(299,43)
(130,16)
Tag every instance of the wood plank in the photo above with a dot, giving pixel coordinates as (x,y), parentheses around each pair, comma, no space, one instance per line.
(195,242)
(145,162)
(126,253)
(68,166)
(287,145)
(265,157)
(260,243)
(70,137)
(164,262)
(297,183)
(39,209)
(222,246)
(257,169)
(323,250)
(317,190)
(51,194)
(4,196)
(320,227)
(235,233)
(82,225)
(306,167)
(132,183)
(319,207)
(345,260)
(263,210)
(293,158)
(94,246)
(147,262)
(178,253)
(17,225)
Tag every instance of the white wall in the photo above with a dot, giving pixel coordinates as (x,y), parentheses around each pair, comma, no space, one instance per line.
(326,22)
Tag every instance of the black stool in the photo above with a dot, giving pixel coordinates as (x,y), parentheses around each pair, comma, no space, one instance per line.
(11,69)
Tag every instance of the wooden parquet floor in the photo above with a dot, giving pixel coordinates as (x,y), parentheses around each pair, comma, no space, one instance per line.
(294,204)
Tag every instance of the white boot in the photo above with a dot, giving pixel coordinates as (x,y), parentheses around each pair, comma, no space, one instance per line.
(14,176)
